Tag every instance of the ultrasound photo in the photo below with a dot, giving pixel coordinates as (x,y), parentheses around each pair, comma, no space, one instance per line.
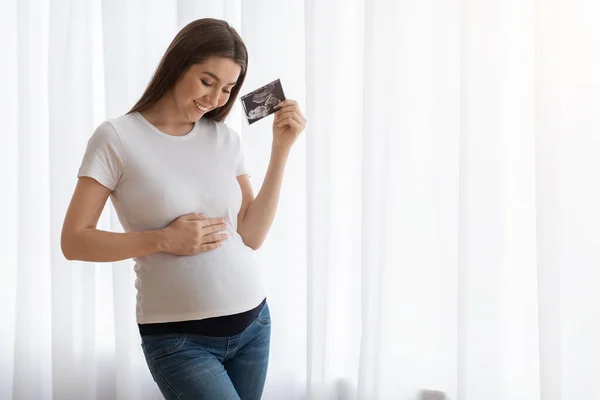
(263,101)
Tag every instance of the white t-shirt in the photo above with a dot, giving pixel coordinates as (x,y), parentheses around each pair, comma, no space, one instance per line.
(156,178)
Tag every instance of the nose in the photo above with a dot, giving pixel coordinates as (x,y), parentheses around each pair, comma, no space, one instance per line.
(212,99)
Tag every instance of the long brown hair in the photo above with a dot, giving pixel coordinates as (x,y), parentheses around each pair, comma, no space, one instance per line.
(197,41)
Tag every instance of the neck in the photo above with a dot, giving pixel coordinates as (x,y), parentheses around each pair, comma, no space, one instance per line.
(165,116)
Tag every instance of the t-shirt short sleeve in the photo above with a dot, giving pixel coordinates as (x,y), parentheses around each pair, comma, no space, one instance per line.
(241,168)
(103,158)
(241,164)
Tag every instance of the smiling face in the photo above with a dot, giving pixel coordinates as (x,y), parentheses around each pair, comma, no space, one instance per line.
(206,86)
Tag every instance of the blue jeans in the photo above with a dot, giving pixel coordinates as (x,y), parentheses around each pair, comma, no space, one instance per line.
(198,367)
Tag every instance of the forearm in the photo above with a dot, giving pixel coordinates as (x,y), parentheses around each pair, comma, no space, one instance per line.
(94,245)
(261,212)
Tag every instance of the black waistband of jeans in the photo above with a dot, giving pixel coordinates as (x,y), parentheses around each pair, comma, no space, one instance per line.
(227,325)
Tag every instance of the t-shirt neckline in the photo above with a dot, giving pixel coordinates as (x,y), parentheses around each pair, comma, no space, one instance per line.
(187,136)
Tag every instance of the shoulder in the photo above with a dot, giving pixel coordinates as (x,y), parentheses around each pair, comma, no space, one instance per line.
(108,134)
(126,131)
(124,123)
(105,133)
(112,128)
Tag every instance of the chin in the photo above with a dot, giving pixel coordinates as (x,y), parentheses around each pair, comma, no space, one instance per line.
(194,116)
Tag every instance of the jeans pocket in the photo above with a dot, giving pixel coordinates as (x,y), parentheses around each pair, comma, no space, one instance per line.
(159,346)
(264,317)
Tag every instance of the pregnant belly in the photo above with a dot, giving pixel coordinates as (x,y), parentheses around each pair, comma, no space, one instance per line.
(185,285)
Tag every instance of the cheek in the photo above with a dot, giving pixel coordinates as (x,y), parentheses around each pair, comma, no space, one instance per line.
(185,93)
(197,90)
(223,99)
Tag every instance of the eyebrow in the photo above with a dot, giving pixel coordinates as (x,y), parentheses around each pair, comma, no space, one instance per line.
(217,78)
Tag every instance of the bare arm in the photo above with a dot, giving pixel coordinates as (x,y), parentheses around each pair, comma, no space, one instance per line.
(257,214)
(80,240)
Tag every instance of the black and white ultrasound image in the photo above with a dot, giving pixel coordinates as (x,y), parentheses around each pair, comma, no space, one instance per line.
(262,101)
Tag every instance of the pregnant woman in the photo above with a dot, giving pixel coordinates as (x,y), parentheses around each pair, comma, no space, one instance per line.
(176,176)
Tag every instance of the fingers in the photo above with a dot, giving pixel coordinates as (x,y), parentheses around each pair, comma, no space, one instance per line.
(215,238)
(297,127)
(289,114)
(291,110)
(205,220)
(210,246)
(193,217)
(210,222)
(288,103)
(213,228)
(279,116)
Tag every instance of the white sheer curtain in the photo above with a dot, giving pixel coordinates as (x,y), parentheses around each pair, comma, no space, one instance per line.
(438,227)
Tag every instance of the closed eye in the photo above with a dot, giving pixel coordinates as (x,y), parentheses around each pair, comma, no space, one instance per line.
(210,85)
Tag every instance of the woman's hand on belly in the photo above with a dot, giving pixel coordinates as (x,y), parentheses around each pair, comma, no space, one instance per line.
(192,234)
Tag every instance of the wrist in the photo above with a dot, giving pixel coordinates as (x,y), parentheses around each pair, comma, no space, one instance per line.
(158,240)
(279,151)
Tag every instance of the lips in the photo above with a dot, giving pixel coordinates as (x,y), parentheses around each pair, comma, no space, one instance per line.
(200,107)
